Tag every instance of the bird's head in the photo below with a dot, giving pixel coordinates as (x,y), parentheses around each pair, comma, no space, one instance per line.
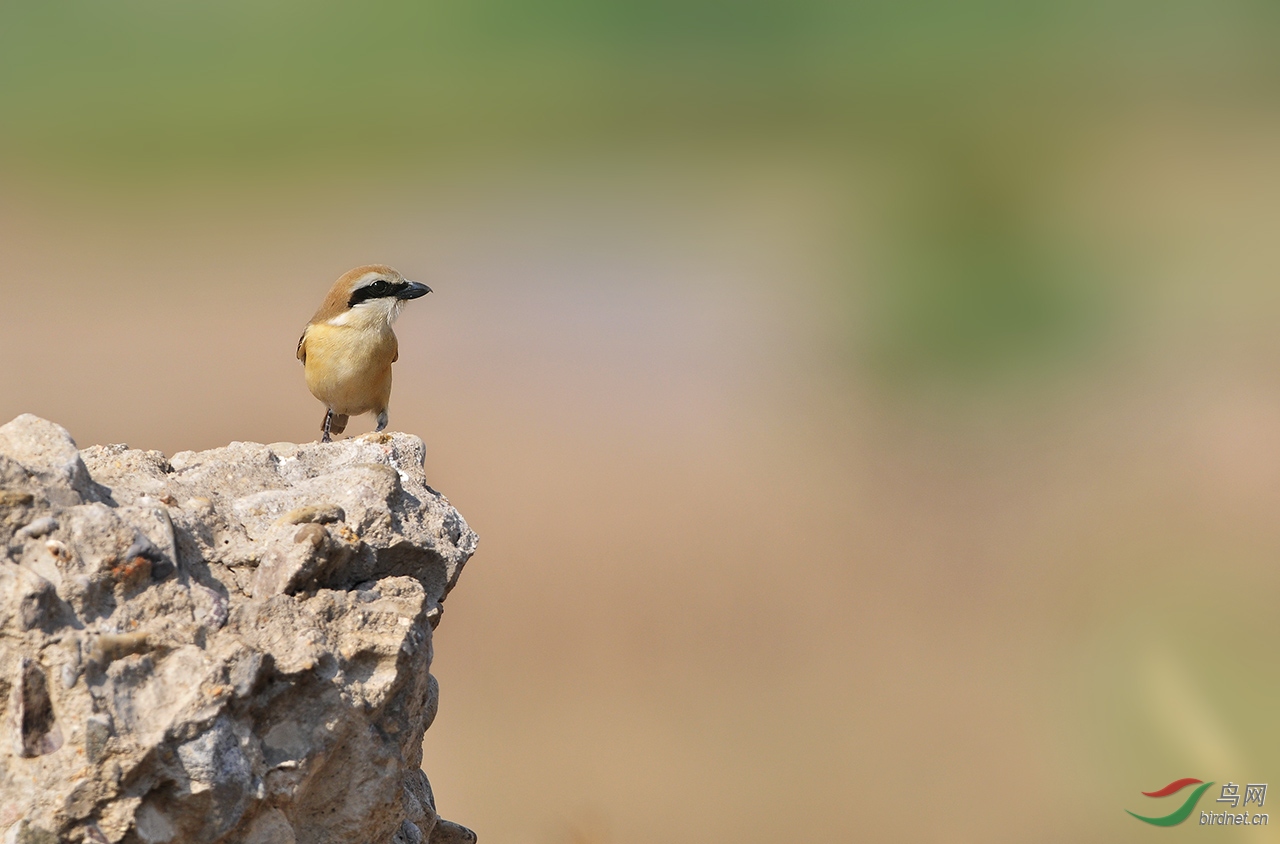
(367,296)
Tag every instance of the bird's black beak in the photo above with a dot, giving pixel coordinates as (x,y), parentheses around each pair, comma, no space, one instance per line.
(412,290)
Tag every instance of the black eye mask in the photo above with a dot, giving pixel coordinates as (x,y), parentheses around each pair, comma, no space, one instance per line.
(377,290)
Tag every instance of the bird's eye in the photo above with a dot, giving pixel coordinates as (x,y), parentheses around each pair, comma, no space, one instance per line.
(374,290)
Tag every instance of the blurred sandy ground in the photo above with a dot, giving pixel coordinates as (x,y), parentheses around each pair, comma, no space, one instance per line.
(915,489)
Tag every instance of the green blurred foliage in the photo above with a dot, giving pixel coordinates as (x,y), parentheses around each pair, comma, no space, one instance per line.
(141,82)
(979,296)
(973,281)
(977,96)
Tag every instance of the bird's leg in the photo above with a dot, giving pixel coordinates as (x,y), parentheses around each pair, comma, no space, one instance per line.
(382,421)
(328,420)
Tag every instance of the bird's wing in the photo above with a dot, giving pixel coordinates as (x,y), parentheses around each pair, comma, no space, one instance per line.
(395,349)
(302,346)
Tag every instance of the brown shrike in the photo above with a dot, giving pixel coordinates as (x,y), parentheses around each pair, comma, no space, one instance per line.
(348,347)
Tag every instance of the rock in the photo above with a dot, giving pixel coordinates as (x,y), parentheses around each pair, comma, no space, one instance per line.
(49,457)
(39,527)
(223,646)
(447,832)
(34,729)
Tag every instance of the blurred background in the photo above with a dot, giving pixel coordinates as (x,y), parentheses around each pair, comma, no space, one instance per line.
(870,411)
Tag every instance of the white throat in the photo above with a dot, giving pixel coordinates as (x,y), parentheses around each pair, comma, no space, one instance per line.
(375,314)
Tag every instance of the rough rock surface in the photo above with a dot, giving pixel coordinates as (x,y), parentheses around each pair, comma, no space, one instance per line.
(222,646)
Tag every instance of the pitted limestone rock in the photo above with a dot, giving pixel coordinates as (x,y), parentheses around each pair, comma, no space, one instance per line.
(223,646)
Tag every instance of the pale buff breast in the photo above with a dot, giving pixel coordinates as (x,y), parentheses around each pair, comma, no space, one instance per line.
(349,369)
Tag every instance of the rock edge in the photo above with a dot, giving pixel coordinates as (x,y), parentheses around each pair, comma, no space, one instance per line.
(230,645)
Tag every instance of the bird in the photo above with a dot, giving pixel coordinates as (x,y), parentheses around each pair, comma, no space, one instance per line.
(348,346)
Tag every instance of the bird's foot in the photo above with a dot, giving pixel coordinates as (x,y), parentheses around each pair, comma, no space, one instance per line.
(328,422)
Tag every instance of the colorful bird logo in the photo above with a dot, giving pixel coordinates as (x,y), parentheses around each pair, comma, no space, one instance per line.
(1184,811)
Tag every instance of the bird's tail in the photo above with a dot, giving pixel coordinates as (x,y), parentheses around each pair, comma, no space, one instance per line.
(339,423)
